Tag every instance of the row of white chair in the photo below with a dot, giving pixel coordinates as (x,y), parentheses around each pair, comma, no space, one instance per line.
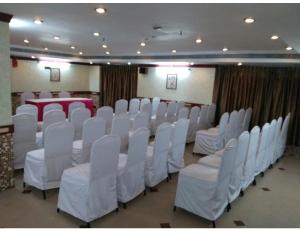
(209,186)
(42,95)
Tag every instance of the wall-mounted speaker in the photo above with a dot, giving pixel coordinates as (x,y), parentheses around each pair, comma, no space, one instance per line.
(143,70)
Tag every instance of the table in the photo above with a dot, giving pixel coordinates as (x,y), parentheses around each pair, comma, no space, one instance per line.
(41,103)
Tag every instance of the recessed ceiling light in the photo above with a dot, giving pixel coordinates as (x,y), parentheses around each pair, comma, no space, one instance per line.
(289,48)
(108,63)
(240,64)
(33,57)
(198,40)
(274,37)
(38,21)
(73,47)
(192,63)
(104,46)
(143,44)
(45,48)
(56,37)
(107,52)
(96,34)
(100,10)
(225,49)
(80,52)
(138,52)
(129,63)
(173,51)
(91,62)
(26,41)
(249,20)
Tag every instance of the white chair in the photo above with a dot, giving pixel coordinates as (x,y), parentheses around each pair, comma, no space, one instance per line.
(203,190)
(193,124)
(211,140)
(73,106)
(211,114)
(183,113)
(134,106)
(270,149)
(180,104)
(131,169)
(64,94)
(262,148)
(202,123)
(239,124)
(171,112)
(120,127)
(145,101)
(147,108)
(159,117)
(230,131)
(177,147)
(52,106)
(247,119)
(121,106)
(26,96)
(157,156)
(283,135)
(141,120)
(277,141)
(77,119)
(155,103)
(23,137)
(27,109)
(89,191)
(49,118)
(93,129)
(44,167)
(106,113)
(249,165)
(45,95)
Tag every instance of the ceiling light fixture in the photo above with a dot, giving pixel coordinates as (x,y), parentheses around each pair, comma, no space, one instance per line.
(143,44)
(108,63)
(225,49)
(138,52)
(240,64)
(107,52)
(26,41)
(33,57)
(289,48)
(192,63)
(249,20)
(56,37)
(129,63)
(80,52)
(174,51)
(104,46)
(274,37)
(38,21)
(96,34)
(100,10)
(45,48)
(73,47)
(198,40)
(91,62)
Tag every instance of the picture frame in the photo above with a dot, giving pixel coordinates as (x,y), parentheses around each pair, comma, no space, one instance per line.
(171,81)
(54,74)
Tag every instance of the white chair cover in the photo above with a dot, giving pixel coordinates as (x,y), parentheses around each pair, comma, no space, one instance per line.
(155,103)
(134,106)
(249,165)
(77,119)
(23,137)
(120,127)
(131,170)
(52,106)
(262,148)
(121,106)
(211,140)
(230,131)
(177,148)
(202,123)
(73,106)
(141,120)
(26,96)
(106,113)
(180,104)
(159,118)
(283,134)
(171,112)
(277,141)
(44,167)
(145,101)
(211,114)
(247,119)
(147,108)
(193,124)
(93,129)
(203,190)
(183,113)
(157,156)
(89,191)
(239,124)
(45,95)
(270,149)
(64,94)
(28,109)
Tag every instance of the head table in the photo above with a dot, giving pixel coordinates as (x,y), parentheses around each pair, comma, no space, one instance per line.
(41,103)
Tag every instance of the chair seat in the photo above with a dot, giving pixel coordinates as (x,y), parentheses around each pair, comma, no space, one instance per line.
(77,152)
(80,173)
(209,132)
(201,172)
(211,161)
(39,139)
(36,155)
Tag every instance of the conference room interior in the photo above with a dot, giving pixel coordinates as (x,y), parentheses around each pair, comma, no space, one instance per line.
(158,115)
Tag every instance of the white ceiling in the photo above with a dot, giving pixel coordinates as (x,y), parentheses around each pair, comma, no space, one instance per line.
(124,26)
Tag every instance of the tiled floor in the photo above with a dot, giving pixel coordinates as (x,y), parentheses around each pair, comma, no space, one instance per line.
(278,206)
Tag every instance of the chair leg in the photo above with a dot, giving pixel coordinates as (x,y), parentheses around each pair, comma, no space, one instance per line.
(145,192)
(262,174)
(44,194)
(168,179)
(271,166)
(228,207)
(117,210)
(87,225)
(254,182)
(124,206)
(170,176)
(24,185)
(153,189)
(241,193)
(174,208)
(57,210)
(214,224)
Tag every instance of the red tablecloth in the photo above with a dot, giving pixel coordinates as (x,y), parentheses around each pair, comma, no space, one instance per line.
(41,103)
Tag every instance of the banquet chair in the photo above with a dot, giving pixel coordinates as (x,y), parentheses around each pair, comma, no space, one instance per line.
(73,106)
(106,113)
(171,112)
(203,190)
(230,131)
(183,113)
(49,118)
(159,117)
(120,127)
(89,191)
(193,119)
(44,167)
(283,135)
(52,106)
(23,137)
(249,164)
(180,104)
(177,146)
(262,148)
(93,129)
(141,120)
(211,114)
(26,96)
(270,149)
(45,95)
(277,141)
(239,124)
(147,108)
(202,123)
(155,103)
(131,168)
(27,109)
(77,119)
(156,169)
(144,101)
(209,141)
(247,119)
(121,106)
(134,105)
(64,94)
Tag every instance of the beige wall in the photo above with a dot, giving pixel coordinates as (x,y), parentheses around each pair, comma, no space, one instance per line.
(94,78)
(194,85)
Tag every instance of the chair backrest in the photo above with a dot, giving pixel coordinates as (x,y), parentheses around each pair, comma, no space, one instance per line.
(64,94)
(104,157)
(180,104)
(242,147)
(193,117)
(58,147)
(183,113)
(284,129)
(211,113)
(230,131)
(161,110)
(52,106)
(134,106)
(277,141)
(202,117)
(144,101)
(25,96)
(239,124)
(106,112)
(25,127)
(52,117)
(141,120)
(137,149)
(147,108)
(121,106)
(77,119)
(261,152)
(45,95)
(27,109)
(247,119)
(171,112)
(155,103)
(120,127)
(73,106)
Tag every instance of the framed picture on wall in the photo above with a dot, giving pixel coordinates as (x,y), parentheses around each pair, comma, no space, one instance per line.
(171,81)
(55,74)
